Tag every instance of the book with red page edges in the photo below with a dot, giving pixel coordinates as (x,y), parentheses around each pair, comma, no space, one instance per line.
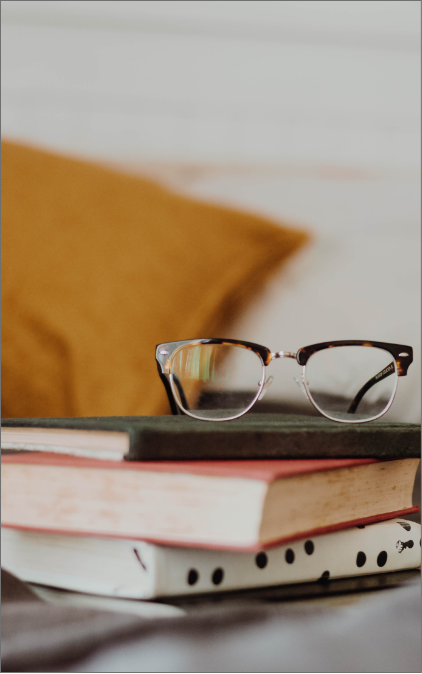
(239,505)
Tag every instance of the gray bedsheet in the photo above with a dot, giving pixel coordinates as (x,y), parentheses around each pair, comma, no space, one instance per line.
(366,632)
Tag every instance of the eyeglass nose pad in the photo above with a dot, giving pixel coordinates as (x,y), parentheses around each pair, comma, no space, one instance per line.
(300,384)
(268,383)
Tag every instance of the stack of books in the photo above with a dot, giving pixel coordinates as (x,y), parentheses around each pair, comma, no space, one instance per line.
(148,507)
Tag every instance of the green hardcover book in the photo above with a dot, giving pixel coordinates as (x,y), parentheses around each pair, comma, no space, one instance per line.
(173,438)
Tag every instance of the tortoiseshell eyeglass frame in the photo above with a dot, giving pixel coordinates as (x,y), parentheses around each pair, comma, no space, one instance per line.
(402,355)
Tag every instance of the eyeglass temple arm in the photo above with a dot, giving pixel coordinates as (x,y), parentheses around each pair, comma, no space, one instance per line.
(175,409)
(180,391)
(369,384)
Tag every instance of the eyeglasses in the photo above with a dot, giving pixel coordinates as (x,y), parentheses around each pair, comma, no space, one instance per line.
(350,381)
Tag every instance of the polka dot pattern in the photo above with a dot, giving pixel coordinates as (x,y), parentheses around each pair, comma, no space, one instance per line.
(217,576)
(309,557)
(324,577)
(360,559)
(382,558)
(289,556)
(261,560)
(193,577)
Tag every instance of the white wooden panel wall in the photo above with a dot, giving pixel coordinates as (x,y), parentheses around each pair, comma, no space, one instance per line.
(268,82)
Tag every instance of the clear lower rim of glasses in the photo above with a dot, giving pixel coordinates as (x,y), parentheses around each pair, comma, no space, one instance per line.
(198,416)
(351,421)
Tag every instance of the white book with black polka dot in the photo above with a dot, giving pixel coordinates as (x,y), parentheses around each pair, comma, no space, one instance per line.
(141,570)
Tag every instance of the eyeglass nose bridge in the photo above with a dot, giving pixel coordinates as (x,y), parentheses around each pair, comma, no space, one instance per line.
(283,354)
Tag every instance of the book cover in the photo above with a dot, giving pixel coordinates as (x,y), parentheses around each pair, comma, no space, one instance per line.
(140,570)
(180,438)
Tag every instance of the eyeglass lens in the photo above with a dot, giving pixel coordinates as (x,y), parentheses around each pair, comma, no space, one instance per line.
(351,383)
(216,381)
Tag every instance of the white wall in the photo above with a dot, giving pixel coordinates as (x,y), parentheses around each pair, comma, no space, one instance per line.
(269,82)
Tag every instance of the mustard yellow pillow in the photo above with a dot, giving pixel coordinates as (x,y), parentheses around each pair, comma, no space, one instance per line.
(98,267)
